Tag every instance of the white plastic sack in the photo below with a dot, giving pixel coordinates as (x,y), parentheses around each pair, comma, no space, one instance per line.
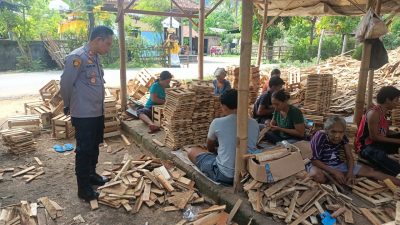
(175,61)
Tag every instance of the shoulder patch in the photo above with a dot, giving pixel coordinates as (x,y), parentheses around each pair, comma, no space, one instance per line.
(76,62)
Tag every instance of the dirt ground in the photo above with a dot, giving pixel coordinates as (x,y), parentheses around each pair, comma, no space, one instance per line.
(59,183)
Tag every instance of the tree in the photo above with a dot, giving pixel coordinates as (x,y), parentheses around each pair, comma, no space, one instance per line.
(9,21)
(159,5)
(392,39)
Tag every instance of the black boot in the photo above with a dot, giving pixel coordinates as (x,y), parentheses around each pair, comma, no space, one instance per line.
(98,180)
(85,191)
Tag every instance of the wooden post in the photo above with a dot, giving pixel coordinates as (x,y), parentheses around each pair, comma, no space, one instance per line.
(243,90)
(262,33)
(344,46)
(122,53)
(321,38)
(371,72)
(190,38)
(362,79)
(370,88)
(200,48)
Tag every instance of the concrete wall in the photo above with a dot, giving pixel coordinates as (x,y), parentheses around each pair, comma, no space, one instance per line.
(212,41)
(9,52)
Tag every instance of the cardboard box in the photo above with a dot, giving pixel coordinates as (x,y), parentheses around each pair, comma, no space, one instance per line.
(275,170)
(305,148)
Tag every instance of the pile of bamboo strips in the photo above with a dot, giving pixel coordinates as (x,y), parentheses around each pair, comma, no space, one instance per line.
(345,71)
(203,112)
(178,112)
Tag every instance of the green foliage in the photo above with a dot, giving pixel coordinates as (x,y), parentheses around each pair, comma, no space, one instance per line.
(73,40)
(159,5)
(272,34)
(392,39)
(112,56)
(357,52)
(39,20)
(222,17)
(338,24)
(299,36)
(27,64)
(9,21)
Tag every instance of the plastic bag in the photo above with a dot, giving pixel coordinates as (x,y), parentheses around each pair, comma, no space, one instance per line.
(376,29)
(370,27)
(363,26)
(191,213)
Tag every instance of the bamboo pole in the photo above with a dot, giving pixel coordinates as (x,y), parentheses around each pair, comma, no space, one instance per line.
(362,78)
(344,46)
(190,38)
(122,54)
(243,90)
(370,88)
(200,49)
(371,72)
(262,33)
(321,39)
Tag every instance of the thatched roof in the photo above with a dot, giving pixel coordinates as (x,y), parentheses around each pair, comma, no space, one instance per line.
(321,7)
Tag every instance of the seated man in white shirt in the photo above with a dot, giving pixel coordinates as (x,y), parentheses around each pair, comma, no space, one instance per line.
(218,163)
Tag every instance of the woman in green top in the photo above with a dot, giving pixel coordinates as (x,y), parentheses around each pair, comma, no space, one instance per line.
(157,97)
(287,122)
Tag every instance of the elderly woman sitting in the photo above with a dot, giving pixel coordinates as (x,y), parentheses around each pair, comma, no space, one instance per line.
(220,84)
(326,146)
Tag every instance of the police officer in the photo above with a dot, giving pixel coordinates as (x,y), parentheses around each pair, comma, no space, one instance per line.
(82,89)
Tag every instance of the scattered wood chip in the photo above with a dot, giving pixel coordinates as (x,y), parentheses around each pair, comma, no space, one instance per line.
(24,171)
(79,219)
(234,210)
(49,207)
(94,204)
(159,143)
(125,139)
(38,161)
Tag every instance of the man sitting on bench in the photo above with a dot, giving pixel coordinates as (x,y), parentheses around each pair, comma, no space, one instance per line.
(218,163)
(326,146)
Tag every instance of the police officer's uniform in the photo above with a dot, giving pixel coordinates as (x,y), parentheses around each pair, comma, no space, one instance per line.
(82,89)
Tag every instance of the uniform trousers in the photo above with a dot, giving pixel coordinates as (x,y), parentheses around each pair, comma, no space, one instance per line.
(88,134)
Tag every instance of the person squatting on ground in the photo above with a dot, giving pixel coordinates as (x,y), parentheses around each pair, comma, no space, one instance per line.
(374,141)
(287,122)
(326,146)
(218,161)
(82,90)
(157,97)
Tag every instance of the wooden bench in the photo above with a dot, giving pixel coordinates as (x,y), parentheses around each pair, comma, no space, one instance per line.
(186,59)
